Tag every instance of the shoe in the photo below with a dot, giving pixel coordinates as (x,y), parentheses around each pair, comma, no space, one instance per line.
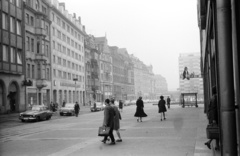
(112,143)
(137,120)
(164,118)
(104,141)
(208,145)
(161,119)
(119,140)
(141,121)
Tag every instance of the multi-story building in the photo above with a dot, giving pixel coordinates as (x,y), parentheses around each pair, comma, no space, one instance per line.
(128,91)
(38,52)
(123,76)
(106,79)
(195,84)
(92,70)
(143,79)
(161,86)
(67,43)
(12,57)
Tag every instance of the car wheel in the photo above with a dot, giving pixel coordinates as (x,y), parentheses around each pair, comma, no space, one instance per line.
(61,114)
(49,117)
(38,118)
(23,120)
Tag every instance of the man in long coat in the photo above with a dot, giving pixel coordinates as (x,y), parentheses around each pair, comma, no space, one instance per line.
(108,121)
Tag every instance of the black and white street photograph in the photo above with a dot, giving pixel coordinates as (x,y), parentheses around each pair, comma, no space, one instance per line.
(119,77)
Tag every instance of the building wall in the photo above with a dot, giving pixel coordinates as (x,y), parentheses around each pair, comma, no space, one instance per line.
(38,52)
(12,54)
(67,43)
(106,74)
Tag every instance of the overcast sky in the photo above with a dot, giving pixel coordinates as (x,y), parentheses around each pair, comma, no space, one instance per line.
(155,31)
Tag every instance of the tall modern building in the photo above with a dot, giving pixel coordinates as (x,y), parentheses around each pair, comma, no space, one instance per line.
(106,76)
(12,57)
(38,52)
(67,46)
(192,63)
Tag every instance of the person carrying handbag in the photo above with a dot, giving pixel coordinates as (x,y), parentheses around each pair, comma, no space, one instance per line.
(108,121)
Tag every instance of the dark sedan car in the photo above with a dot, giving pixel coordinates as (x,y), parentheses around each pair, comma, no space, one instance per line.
(37,113)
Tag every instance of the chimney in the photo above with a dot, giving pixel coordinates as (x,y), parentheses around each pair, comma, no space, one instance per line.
(74,15)
(63,5)
(79,18)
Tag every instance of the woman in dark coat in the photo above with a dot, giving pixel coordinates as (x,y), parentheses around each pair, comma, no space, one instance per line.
(140,112)
(162,107)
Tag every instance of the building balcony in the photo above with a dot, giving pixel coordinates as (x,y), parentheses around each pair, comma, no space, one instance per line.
(41,57)
(40,83)
(40,31)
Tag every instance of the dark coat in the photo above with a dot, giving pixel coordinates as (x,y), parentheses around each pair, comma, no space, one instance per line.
(168,100)
(212,110)
(76,108)
(162,106)
(139,111)
(109,115)
(117,118)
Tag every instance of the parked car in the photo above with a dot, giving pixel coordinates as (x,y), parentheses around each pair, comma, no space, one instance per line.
(99,107)
(67,110)
(37,113)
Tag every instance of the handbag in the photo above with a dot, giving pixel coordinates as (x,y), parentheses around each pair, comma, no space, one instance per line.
(212,131)
(103,131)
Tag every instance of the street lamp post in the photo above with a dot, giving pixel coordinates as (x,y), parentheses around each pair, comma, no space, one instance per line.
(75,79)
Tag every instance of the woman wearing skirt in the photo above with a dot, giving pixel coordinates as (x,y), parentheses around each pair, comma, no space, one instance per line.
(139,111)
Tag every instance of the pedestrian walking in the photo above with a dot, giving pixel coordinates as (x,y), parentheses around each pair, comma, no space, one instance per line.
(117,119)
(64,103)
(120,105)
(161,107)
(139,110)
(76,109)
(168,102)
(108,121)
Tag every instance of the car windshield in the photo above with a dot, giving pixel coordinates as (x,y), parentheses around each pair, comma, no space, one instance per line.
(69,105)
(36,108)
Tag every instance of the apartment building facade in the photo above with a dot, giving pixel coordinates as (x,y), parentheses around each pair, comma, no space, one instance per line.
(12,56)
(38,52)
(161,86)
(128,90)
(106,76)
(67,46)
(92,71)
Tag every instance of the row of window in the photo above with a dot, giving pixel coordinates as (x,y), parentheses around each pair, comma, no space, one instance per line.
(67,51)
(66,39)
(11,54)
(67,27)
(69,64)
(18,3)
(41,72)
(41,47)
(11,23)
(66,75)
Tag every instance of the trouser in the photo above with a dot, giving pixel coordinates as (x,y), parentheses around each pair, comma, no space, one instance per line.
(110,135)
